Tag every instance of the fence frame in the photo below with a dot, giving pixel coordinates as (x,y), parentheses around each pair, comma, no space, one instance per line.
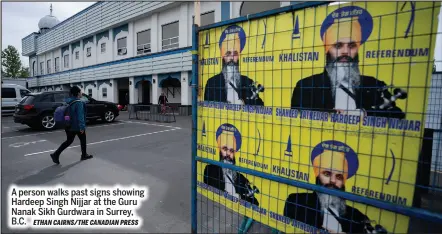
(411,212)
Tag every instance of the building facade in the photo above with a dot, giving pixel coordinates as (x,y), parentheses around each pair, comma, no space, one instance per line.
(125,52)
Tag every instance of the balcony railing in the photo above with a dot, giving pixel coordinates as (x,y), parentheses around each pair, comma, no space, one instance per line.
(143,49)
(170,43)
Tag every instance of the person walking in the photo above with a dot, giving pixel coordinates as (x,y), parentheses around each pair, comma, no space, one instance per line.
(77,113)
(162,100)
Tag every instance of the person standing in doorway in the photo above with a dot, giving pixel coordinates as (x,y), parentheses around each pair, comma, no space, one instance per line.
(162,100)
(77,113)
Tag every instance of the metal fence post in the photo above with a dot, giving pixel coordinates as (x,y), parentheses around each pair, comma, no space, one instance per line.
(194,125)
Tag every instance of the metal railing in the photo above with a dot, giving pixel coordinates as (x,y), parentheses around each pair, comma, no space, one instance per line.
(156,113)
(173,43)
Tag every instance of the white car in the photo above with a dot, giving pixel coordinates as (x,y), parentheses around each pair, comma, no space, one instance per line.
(11,95)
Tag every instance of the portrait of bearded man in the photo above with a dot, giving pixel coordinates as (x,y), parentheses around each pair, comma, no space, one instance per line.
(230,86)
(229,142)
(341,88)
(333,164)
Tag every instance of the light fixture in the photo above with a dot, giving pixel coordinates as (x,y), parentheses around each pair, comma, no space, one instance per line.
(110,84)
(154,81)
(130,82)
(95,85)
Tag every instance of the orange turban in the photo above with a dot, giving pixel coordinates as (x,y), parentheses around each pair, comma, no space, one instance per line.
(331,161)
(344,28)
(231,42)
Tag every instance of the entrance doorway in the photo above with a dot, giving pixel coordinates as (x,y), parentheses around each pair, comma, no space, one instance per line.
(146,87)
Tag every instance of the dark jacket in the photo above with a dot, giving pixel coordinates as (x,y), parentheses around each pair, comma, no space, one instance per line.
(214,176)
(315,93)
(216,91)
(305,208)
(162,99)
(78,114)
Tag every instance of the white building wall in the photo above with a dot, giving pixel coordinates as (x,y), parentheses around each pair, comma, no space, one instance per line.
(57,53)
(94,91)
(139,26)
(88,61)
(166,17)
(76,63)
(107,55)
(110,93)
(115,45)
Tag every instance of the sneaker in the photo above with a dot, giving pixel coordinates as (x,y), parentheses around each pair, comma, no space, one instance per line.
(55,159)
(86,157)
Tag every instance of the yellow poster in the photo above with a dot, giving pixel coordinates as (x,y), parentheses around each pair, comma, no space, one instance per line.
(331,95)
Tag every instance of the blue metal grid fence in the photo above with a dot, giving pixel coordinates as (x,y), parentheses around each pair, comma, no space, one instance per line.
(425,213)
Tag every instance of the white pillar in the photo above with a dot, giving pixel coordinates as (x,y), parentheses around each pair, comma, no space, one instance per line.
(183,25)
(185,88)
(283,4)
(97,50)
(130,39)
(111,44)
(155,89)
(155,34)
(81,56)
(133,92)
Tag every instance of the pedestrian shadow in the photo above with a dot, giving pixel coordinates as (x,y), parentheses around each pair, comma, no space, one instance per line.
(46,175)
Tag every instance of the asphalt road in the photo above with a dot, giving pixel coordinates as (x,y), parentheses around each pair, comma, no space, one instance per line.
(125,152)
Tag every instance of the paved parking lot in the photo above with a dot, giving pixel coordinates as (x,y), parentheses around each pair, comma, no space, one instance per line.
(126,152)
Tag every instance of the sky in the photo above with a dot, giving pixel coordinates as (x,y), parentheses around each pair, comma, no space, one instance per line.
(20,19)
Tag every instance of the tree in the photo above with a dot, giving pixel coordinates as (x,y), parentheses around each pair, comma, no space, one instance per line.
(24,72)
(11,64)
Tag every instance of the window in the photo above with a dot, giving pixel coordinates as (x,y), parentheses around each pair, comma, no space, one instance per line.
(89,92)
(42,65)
(143,42)
(103,47)
(170,35)
(104,92)
(57,64)
(23,92)
(88,52)
(77,55)
(248,8)
(66,61)
(122,46)
(8,93)
(206,18)
(59,97)
(47,98)
(48,67)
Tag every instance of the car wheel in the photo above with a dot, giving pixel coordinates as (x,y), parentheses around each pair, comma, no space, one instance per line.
(109,116)
(48,122)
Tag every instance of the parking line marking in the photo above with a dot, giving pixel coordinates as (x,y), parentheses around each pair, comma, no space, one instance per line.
(100,142)
(159,125)
(44,133)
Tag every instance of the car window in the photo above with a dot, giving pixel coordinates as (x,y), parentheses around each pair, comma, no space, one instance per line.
(85,98)
(27,100)
(23,92)
(47,98)
(8,93)
(60,97)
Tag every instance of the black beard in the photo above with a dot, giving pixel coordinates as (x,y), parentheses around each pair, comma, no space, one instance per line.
(330,186)
(230,63)
(329,58)
(222,159)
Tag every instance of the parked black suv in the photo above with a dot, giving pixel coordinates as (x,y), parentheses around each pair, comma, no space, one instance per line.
(37,109)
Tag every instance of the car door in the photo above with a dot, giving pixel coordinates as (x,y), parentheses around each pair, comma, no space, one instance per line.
(59,99)
(9,99)
(93,108)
